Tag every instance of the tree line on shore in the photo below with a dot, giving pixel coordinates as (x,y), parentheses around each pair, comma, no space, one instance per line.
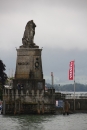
(68,87)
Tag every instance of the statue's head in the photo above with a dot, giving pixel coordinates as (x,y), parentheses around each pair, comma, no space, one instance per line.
(31,24)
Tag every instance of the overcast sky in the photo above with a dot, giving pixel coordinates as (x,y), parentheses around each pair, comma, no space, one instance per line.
(61,31)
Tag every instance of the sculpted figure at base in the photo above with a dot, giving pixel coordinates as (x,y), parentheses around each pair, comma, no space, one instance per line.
(28,37)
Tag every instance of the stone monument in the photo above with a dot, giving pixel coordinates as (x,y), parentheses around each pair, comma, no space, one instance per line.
(28,93)
(29,64)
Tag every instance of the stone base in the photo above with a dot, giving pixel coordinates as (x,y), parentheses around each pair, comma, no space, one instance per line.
(29,84)
(31,45)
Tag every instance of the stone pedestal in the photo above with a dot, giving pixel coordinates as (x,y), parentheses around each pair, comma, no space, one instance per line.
(29,72)
(29,64)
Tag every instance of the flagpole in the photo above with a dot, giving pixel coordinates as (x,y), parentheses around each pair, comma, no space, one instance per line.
(72,77)
(74,85)
(52,85)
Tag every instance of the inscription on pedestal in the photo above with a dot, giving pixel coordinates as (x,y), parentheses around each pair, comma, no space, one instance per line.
(23,63)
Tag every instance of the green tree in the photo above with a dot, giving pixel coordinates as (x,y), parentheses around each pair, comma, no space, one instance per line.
(3,77)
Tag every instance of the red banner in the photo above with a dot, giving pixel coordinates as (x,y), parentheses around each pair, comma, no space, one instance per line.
(71,70)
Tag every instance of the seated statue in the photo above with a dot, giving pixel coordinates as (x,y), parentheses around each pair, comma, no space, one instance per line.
(28,37)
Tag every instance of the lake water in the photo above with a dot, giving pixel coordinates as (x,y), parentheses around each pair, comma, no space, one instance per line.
(44,122)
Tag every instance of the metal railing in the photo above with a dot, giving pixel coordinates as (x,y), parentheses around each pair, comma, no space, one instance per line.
(77,96)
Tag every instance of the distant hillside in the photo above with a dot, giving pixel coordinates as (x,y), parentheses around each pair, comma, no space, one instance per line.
(69,87)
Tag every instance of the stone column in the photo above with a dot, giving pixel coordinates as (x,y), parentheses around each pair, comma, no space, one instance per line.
(32,92)
(15,108)
(12,95)
(42,107)
(8,95)
(38,107)
(4,107)
(19,106)
(16,94)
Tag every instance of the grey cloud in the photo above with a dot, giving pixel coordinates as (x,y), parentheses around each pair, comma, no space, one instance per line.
(29,6)
(68,3)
